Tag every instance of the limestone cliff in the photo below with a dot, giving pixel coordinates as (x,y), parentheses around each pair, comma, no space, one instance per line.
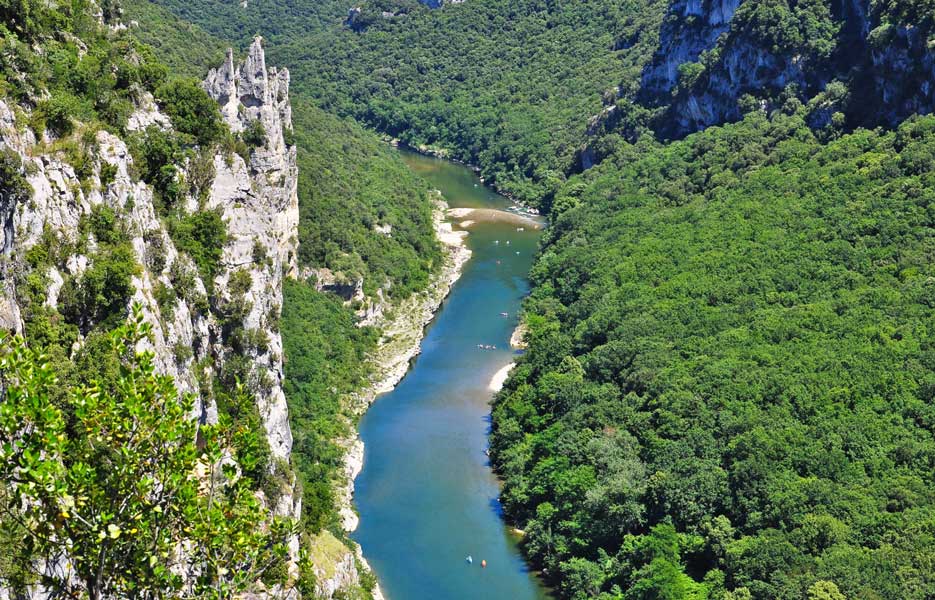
(260,205)
(714,52)
(256,197)
(690,28)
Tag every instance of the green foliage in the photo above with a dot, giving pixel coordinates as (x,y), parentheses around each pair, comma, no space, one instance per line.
(111,480)
(192,111)
(99,297)
(91,73)
(104,224)
(732,334)
(12,177)
(57,111)
(155,154)
(506,86)
(372,186)
(238,411)
(166,299)
(255,134)
(202,235)
(30,18)
(277,20)
(325,359)
(185,48)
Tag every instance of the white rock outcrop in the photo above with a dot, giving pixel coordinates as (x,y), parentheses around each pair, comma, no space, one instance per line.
(260,205)
(257,200)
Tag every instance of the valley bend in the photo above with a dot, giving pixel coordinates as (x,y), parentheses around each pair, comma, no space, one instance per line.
(459,299)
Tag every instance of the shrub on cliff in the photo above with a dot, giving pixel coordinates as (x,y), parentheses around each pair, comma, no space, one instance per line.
(192,111)
(110,479)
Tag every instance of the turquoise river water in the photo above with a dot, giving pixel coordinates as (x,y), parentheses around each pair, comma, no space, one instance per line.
(426,495)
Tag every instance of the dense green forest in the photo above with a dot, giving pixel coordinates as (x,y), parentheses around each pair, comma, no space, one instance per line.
(532,90)
(729,384)
(349,182)
(506,86)
(326,354)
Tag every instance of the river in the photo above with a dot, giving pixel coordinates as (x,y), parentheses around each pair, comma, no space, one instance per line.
(426,495)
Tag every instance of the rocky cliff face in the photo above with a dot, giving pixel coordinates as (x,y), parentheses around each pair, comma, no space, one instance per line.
(260,205)
(690,28)
(713,52)
(903,59)
(257,199)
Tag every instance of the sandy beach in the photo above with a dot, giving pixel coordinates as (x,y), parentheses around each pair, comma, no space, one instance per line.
(465,217)
(496,382)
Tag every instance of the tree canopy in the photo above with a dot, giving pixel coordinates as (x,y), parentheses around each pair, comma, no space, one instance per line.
(105,481)
(730,357)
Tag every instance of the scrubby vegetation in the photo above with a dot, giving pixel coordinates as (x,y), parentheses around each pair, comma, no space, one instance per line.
(100,474)
(91,76)
(326,354)
(728,388)
(91,478)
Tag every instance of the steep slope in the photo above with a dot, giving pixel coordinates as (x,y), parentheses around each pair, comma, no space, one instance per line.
(365,219)
(728,387)
(122,187)
(54,236)
(710,56)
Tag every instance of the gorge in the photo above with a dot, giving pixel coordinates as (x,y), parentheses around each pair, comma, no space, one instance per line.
(251,348)
(426,496)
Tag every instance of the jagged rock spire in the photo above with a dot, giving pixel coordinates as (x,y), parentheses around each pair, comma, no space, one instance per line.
(249,91)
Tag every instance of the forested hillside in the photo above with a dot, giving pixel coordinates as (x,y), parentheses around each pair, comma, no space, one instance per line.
(858,63)
(729,384)
(728,390)
(513,86)
(507,86)
(350,182)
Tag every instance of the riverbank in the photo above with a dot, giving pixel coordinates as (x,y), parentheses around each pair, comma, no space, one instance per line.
(445,154)
(499,378)
(402,327)
(467,217)
(426,495)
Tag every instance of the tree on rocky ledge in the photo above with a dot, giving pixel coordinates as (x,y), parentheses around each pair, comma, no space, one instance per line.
(109,494)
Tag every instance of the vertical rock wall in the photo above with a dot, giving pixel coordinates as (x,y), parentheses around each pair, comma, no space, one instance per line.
(888,66)
(260,205)
(256,198)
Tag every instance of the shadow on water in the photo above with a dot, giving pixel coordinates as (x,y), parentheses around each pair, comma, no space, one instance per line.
(496,507)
